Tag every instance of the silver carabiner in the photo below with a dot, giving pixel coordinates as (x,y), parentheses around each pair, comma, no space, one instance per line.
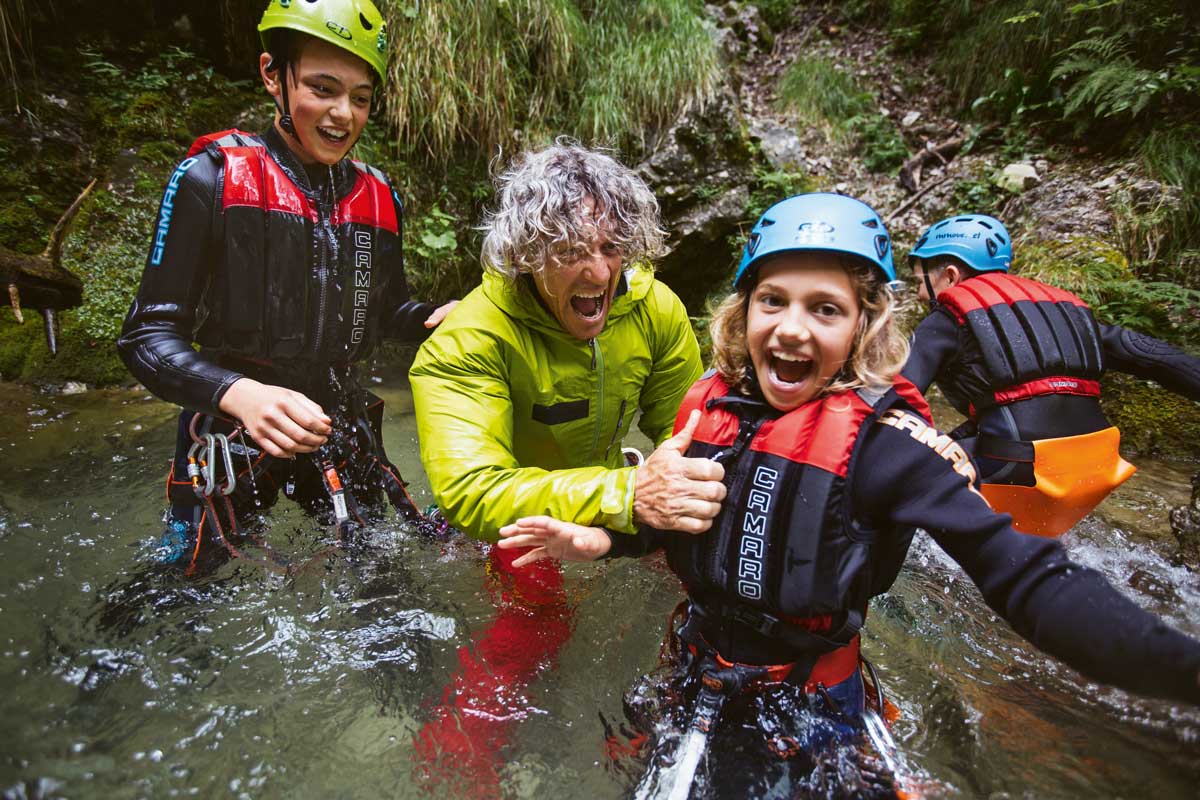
(230,477)
(210,464)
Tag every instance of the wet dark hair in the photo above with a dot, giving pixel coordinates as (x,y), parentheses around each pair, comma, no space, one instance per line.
(940,262)
(284,47)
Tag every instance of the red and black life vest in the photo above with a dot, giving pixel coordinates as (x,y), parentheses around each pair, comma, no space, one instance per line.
(1025,339)
(786,541)
(296,275)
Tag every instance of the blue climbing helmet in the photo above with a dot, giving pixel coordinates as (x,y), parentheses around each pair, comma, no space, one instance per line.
(819,221)
(979,241)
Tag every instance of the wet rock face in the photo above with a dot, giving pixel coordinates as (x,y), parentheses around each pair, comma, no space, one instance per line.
(699,174)
(1185,524)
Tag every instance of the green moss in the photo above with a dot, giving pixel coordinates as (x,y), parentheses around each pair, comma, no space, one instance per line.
(17,342)
(1083,265)
(1152,420)
(1100,274)
(18,222)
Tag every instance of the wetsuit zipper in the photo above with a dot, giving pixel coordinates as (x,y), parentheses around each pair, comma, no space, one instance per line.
(325,242)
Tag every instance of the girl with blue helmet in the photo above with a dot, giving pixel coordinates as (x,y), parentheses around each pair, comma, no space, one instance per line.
(1023,361)
(831,462)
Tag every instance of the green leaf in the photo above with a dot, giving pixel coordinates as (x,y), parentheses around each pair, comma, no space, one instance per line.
(439,241)
(1022,18)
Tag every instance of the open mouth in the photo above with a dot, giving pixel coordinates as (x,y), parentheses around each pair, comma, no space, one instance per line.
(332,135)
(788,369)
(588,306)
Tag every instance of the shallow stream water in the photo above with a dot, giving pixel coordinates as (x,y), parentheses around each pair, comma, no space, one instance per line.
(125,680)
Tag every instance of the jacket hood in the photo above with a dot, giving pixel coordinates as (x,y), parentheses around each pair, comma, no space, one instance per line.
(517,298)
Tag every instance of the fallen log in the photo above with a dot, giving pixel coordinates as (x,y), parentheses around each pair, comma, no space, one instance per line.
(910,172)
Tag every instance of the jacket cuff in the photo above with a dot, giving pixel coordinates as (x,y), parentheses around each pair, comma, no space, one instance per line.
(616,504)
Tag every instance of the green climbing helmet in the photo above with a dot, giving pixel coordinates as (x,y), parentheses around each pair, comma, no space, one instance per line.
(353,25)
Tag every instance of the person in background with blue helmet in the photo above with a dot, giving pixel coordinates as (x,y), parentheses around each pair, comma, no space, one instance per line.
(1023,361)
(831,461)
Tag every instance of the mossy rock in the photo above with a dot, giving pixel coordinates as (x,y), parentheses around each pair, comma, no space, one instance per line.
(20,226)
(1153,421)
(25,357)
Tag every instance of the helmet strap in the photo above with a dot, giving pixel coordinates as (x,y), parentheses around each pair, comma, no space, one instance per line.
(285,112)
(929,288)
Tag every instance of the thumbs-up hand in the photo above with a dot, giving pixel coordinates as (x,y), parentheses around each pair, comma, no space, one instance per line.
(674,492)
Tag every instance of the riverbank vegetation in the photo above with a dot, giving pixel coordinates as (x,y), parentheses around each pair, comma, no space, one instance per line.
(118,92)
(1113,78)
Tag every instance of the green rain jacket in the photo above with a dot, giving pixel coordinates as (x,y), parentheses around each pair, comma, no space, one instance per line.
(517,417)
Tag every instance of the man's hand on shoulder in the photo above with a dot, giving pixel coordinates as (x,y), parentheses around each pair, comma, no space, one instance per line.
(439,314)
(677,493)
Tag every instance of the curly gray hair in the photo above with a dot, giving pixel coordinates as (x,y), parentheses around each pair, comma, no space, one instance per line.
(542,218)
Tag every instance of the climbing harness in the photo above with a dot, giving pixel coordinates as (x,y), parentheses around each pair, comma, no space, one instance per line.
(671,777)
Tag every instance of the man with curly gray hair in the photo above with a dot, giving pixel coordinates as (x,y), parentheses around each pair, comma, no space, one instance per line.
(523,397)
(524,394)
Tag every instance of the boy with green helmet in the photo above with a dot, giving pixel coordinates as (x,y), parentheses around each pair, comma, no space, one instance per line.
(282,259)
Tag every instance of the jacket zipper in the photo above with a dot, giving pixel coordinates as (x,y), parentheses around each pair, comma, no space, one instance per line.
(598,367)
(617,430)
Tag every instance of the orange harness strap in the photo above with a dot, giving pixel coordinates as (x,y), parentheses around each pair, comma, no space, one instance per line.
(830,669)
(1074,474)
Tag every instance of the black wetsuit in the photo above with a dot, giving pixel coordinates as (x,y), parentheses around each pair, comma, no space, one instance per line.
(185,297)
(939,341)
(1061,607)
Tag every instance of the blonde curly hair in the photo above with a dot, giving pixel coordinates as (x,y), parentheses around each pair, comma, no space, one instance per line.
(877,355)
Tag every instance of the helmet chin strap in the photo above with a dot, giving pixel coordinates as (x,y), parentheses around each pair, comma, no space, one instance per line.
(285,113)
(929,288)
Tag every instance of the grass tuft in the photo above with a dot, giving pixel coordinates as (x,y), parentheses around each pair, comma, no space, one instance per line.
(488,76)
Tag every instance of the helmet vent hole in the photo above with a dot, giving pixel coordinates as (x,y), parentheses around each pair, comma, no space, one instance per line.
(766,223)
(942,224)
(363,19)
(870,223)
(1002,239)
(984,224)
(992,247)
(881,245)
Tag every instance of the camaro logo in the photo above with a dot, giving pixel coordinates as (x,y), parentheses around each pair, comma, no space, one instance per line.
(936,441)
(362,284)
(753,547)
(164,214)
